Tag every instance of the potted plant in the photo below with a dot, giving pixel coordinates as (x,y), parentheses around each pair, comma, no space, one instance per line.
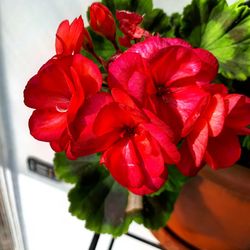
(136,104)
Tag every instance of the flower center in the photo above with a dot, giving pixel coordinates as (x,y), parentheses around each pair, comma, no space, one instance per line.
(128,131)
(162,90)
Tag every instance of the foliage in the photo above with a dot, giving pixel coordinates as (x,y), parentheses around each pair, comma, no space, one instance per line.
(99,200)
(223,30)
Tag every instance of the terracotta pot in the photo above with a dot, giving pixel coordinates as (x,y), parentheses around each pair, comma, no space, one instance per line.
(212,212)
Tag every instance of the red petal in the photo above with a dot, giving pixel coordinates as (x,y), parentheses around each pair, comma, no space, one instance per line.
(145,189)
(188,102)
(138,166)
(152,162)
(60,144)
(167,112)
(88,73)
(123,163)
(129,73)
(209,67)
(63,144)
(49,87)
(223,151)
(170,152)
(215,115)
(187,164)
(61,34)
(88,142)
(126,104)
(69,37)
(197,141)
(217,88)
(177,42)
(111,118)
(76,101)
(164,135)
(166,71)
(148,48)
(122,97)
(47,124)
(155,120)
(114,117)
(181,107)
(238,113)
(152,165)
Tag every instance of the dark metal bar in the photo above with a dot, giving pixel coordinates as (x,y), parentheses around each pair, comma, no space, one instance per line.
(111,244)
(144,241)
(94,242)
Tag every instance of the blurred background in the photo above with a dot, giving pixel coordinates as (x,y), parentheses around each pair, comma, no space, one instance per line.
(33,209)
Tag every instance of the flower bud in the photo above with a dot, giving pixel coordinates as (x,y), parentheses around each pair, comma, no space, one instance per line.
(102,21)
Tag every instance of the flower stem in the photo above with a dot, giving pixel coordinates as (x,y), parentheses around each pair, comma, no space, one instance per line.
(134,202)
(114,43)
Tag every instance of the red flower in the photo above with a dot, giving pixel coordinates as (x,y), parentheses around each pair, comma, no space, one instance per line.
(57,92)
(71,37)
(238,117)
(166,75)
(102,21)
(224,150)
(138,145)
(130,27)
(209,123)
(214,136)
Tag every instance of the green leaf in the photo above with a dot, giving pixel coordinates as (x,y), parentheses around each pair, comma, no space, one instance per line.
(106,206)
(174,183)
(110,4)
(176,180)
(139,6)
(223,30)
(163,201)
(71,171)
(175,22)
(156,21)
(246,142)
(103,204)
(102,46)
(157,209)
(142,6)
(99,200)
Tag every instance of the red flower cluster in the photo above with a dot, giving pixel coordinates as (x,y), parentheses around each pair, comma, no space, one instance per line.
(160,107)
